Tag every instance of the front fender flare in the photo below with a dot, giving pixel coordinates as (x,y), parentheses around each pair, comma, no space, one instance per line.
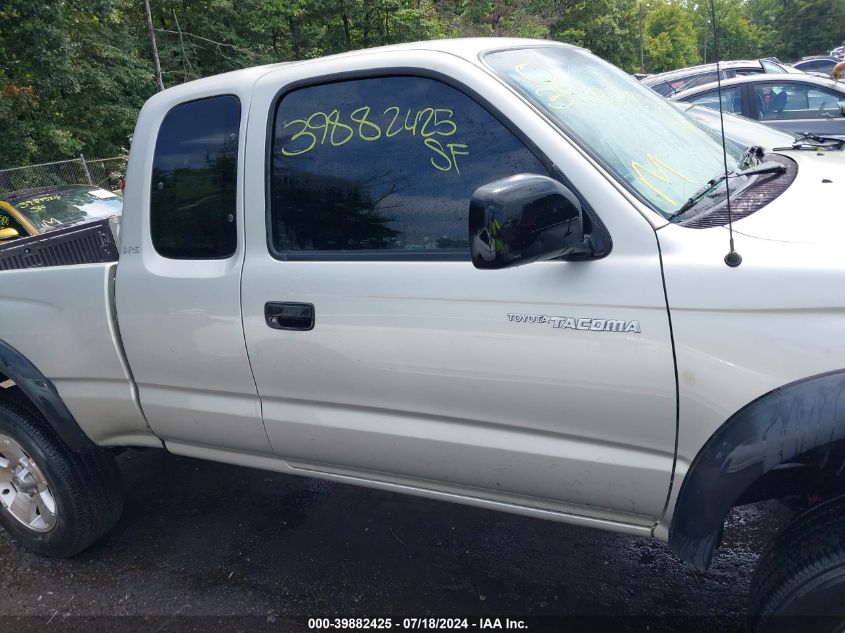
(44,396)
(776,428)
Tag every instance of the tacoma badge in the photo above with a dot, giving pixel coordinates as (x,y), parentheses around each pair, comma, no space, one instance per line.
(576,323)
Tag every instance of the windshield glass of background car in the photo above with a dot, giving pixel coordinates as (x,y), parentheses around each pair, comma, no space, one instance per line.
(739,129)
(649,145)
(51,210)
(771,67)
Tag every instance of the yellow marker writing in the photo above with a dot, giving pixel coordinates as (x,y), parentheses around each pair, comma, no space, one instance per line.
(659,170)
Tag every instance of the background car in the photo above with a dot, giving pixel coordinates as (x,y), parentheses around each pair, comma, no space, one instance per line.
(669,83)
(791,103)
(816,64)
(45,209)
(739,130)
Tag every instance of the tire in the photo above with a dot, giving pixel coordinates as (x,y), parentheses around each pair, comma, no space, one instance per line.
(799,583)
(53,500)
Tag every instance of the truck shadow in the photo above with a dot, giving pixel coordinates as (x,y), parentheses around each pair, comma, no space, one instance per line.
(211,539)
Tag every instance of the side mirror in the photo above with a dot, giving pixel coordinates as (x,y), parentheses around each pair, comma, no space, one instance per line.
(523,219)
(842,108)
(8,234)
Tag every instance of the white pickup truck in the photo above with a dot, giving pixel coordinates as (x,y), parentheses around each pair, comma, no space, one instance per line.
(321,273)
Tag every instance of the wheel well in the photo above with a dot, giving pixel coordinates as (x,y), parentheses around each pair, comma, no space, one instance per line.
(790,441)
(14,395)
(818,474)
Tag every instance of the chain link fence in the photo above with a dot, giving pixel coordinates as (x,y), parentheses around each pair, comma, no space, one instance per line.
(104,172)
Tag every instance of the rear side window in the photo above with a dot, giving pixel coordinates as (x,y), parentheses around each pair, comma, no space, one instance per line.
(194,180)
(383,168)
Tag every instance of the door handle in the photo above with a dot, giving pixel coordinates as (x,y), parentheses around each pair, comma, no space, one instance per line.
(289,316)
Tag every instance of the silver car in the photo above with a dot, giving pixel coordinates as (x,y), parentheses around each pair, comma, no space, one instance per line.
(792,103)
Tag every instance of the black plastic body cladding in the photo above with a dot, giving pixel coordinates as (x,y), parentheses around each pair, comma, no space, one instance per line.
(44,396)
(775,429)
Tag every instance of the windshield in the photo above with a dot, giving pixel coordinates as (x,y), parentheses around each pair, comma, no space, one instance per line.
(60,207)
(739,129)
(648,144)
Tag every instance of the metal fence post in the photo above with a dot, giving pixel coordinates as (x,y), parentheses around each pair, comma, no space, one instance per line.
(75,171)
(85,169)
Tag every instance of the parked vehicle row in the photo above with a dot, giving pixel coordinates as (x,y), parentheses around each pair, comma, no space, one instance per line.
(672,82)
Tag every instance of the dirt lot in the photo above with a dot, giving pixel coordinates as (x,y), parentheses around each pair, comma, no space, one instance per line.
(203,539)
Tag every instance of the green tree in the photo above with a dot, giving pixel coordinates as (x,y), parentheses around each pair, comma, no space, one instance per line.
(76,72)
(670,38)
(608,28)
(811,26)
(72,81)
(739,36)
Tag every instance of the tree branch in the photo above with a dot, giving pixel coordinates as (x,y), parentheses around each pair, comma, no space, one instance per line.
(205,39)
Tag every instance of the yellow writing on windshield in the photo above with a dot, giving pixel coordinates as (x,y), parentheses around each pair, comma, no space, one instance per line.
(335,129)
(656,169)
(561,93)
(36,204)
(556,97)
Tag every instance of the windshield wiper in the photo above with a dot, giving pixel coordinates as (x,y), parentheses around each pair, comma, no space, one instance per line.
(769,167)
(810,141)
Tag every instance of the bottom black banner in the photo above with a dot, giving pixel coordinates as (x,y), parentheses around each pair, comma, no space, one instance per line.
(271,623)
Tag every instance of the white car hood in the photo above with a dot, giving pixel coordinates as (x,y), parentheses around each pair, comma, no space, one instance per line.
(811,210)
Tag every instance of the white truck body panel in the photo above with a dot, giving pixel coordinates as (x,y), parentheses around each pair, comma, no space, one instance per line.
(181,319)
(737,336)
(62,320)
(430,381)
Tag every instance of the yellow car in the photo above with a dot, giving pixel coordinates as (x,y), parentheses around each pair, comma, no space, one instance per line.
(34,212)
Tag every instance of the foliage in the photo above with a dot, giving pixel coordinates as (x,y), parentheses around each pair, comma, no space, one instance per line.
(811,25)
(72,80)
(670,38)
(607,27)
(76,72)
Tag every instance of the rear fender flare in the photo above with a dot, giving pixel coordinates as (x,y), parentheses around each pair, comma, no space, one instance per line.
(44,396)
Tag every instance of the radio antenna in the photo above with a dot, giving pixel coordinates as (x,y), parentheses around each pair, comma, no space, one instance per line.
(732,259)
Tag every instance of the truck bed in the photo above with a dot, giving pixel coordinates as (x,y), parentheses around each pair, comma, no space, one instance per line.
(88,243)
(62,319)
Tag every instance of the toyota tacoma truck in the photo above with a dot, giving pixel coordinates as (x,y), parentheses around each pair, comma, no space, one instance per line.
(486,271)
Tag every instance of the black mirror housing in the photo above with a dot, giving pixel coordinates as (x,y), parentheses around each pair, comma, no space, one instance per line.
(523,219)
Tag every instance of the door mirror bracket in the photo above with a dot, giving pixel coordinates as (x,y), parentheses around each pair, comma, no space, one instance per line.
(585,250)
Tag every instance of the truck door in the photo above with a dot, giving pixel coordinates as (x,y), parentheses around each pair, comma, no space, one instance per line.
(178,280)
(381,353)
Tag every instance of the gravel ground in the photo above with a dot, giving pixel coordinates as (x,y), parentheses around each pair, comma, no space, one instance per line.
(204,539)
